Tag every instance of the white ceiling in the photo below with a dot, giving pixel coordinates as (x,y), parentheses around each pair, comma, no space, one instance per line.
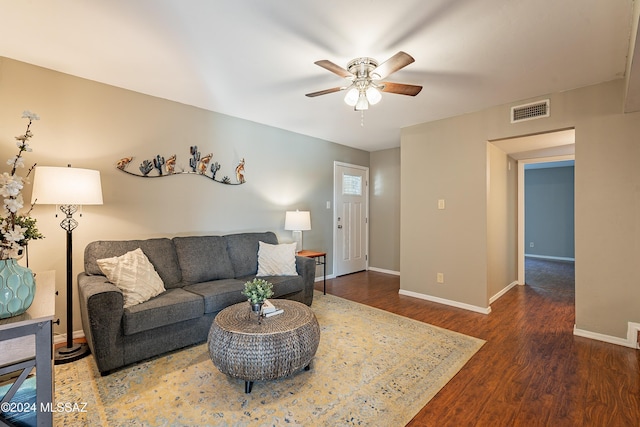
(254,59)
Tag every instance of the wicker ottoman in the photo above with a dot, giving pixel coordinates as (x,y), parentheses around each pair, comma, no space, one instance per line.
(277,347)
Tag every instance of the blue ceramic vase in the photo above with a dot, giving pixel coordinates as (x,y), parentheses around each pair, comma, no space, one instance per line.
(17,288)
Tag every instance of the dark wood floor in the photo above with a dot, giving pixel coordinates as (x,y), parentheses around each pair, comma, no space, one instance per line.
(531,372)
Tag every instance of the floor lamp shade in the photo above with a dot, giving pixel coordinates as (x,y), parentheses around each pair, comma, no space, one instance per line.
(67,187)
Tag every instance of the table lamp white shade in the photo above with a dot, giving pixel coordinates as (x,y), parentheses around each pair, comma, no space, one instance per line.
(297,221)
(54,185)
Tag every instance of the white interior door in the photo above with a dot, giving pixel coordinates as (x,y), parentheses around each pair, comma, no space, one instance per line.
(351,202)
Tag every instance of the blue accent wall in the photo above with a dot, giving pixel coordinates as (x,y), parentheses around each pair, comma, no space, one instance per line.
(549,212)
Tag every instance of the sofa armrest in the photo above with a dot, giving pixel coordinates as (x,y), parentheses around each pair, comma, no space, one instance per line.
(102,308)
(306,267)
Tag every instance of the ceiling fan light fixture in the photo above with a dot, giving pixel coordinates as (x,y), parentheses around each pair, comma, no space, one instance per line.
(351,98)
(363,103)
(373,95)
(365,77)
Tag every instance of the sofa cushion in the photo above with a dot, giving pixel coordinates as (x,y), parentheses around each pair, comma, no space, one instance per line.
(277,260)
(134,274)
(172,306)
(203,258)
(160,252)
(243,251)
(282,285)
(218,294)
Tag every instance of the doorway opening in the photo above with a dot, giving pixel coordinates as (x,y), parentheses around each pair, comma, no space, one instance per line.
(546,212)
(544,148)
(549,239)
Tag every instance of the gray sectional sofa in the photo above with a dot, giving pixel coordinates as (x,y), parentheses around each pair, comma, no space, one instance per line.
(201,274)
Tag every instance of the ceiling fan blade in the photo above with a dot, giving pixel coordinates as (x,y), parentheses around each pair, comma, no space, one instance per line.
(393,64)
(401,88)
(336,69)
(324,92)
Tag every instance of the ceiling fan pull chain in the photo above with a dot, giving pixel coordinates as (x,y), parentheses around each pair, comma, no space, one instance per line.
(362,118)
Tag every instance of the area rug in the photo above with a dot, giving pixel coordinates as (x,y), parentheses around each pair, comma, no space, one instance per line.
(371,368)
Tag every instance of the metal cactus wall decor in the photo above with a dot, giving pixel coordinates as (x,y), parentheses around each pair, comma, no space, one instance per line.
(198,165)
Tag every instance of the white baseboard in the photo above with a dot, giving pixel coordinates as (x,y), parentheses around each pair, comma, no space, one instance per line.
(502,292)
(553,258)
(62,338)
(382,270)
(631,340)
(481,310)
(632,334)
(378,270)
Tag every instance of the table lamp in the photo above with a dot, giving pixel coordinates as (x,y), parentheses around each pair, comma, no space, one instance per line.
(67,187)
(297,221)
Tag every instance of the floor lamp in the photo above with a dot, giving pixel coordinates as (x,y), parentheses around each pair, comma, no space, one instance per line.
(69,188)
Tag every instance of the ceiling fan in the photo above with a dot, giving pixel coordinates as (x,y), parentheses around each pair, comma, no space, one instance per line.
(366,78)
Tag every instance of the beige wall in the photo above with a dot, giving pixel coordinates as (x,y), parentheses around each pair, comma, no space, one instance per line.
(502,224)
(444,160)
(607,194)
(92,125)
(448,159)
(384,227)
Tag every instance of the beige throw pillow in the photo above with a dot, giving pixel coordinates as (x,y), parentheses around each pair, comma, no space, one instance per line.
(277,260)
(134,274)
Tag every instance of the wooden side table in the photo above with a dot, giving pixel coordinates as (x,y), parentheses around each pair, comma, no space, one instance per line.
(318,256)
(25,344)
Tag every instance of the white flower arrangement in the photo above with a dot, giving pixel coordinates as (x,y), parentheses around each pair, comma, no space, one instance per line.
(16,229)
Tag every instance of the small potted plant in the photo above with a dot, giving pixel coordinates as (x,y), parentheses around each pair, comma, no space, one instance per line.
(256,291)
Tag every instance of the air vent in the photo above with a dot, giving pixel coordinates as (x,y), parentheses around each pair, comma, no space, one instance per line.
(534,110)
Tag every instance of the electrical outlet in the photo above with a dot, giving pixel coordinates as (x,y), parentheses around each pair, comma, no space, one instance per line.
(440,203)
(530,244)
(440,278)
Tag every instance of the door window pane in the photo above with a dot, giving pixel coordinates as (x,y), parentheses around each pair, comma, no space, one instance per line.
(352,185)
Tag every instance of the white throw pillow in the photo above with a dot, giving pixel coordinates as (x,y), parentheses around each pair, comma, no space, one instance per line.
(277,260)
(134,274)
